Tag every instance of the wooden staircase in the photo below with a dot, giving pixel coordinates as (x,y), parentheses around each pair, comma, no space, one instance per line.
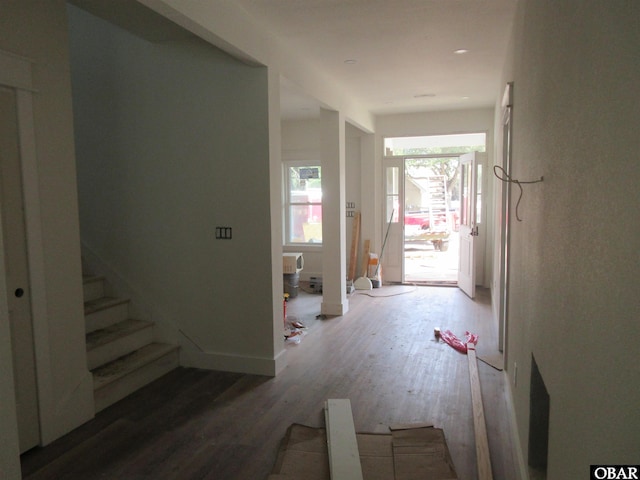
(121,352)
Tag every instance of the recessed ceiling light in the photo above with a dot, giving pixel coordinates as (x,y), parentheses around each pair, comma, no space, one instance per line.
(460,51)
(350,61)
(423,95)
(465,98)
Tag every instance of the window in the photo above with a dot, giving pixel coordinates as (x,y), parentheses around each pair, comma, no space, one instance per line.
(435,144)
(303,204)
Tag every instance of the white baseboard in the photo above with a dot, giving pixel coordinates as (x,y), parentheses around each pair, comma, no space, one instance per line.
(334,308)
(280,361)
(521,467)
(233,363)
(68,413)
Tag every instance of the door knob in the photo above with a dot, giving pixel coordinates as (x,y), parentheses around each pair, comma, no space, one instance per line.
(19,292)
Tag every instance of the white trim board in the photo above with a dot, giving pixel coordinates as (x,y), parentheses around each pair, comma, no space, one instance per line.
(232,363)
(483,457)
(344,457)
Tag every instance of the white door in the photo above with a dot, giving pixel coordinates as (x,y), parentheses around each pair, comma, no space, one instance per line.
(392,262)
(468,225)
(17,273)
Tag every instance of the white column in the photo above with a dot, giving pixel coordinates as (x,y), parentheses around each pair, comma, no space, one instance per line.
(369,194)
(334,269)
(275,179)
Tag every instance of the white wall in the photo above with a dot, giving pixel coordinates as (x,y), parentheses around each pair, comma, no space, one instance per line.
(574,292)
(172,141)
(228,26)
(38,32)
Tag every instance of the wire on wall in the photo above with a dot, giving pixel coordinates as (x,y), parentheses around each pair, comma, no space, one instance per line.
(507,179)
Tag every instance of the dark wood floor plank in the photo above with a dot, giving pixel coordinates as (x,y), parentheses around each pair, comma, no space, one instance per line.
(194,424)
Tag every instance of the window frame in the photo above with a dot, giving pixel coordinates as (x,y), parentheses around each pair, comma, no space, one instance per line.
(287,203)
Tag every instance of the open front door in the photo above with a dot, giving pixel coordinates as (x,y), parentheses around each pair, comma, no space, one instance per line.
(468,225)
(392,263)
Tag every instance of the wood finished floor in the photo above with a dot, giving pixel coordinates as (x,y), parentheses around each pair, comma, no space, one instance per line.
(195,424)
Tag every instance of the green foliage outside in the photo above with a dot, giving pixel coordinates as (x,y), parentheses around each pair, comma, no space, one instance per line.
(446,166)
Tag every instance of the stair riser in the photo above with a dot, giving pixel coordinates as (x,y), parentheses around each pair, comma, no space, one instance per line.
(106,317)
(106,353)
(111,393)
(93,290)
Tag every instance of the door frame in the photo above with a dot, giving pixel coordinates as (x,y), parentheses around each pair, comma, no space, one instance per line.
(468,231)
(405,158)
(16,73)
(393,261)
(400,161)
(504,225)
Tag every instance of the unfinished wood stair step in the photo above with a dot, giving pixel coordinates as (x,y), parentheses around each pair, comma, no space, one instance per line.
(125,375)
(104,312)
(107,344)
(93,287)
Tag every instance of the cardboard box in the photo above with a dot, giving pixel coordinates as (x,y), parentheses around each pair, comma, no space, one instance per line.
(408,452)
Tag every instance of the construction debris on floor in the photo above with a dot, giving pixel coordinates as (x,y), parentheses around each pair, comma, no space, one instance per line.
(455,342)
(293,330)
(412,453)
(408,452)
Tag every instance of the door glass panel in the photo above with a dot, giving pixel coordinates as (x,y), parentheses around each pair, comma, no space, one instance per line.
(479,193)
(393,194)
(465,201)
(393,186)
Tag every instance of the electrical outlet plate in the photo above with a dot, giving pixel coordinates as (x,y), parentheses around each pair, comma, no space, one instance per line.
(223,233)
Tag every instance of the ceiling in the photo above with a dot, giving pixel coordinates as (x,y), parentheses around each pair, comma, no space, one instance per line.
(404,50)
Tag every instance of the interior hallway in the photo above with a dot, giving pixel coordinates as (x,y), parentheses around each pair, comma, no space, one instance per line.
(196,424)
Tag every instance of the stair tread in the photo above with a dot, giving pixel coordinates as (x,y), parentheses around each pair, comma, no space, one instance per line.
(97,338)
(126,364)
(102,303)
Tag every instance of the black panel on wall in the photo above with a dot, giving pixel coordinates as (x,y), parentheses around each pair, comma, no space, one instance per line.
(538,420)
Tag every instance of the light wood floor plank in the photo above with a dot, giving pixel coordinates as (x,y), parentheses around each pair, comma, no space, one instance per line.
(483,457)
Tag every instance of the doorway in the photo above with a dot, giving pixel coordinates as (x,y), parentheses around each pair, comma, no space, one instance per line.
(431,220)
(423,202)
